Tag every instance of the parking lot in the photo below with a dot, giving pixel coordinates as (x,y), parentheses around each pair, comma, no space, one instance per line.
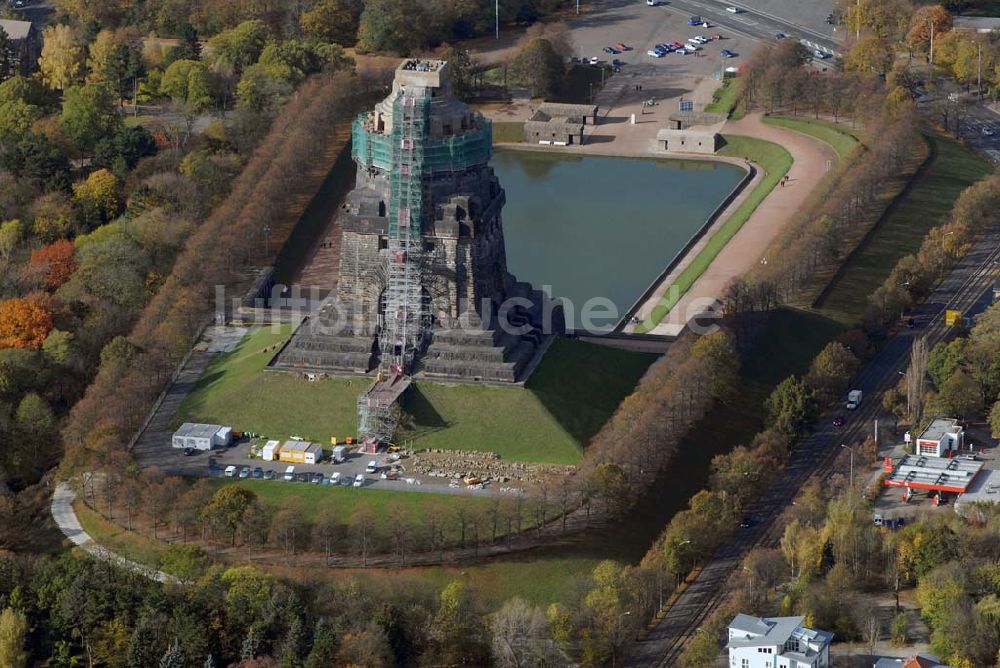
(214,463)
(641,27)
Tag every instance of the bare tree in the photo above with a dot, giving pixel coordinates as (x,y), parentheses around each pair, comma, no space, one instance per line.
(520,637)
(916,383)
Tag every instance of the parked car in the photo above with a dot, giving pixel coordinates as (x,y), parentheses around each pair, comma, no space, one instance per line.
(656,53)
(988,131)
(726,53)
(610,50)
(594,60)
(734,10)
(270,475)
(317,479)
(289,474)
(716,37)
(746,522)
(617,63)
(335,478)
(780,35)
(829,19)
(691,48)
(372,467)
(652,3)
(677,45)
(230,471)
(694,21)
(359,480)
(245,472)
(621,46)
(258,473)
(188,452)
(822,55)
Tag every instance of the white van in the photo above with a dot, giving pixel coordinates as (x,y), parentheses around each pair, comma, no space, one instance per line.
(290,473)
(230,471)
(335,478)
(359,480)
(372,467)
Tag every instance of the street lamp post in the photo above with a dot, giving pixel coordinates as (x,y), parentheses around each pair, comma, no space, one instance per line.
(852,462)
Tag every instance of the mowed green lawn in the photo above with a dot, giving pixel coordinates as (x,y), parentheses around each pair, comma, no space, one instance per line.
(384,503)
(573,392)
(776,162)
(840,137)
(930,197)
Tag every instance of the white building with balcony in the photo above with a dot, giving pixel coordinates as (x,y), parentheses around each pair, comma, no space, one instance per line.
(776,642)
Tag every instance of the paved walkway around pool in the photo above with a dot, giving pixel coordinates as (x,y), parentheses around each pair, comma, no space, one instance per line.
(812,159)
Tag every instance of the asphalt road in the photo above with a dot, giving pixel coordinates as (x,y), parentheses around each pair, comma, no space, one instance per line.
(967,288)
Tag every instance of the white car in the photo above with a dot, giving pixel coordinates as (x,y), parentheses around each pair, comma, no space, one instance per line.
(701,39)
(691,48)
(988,131)
(594,60)
(359,480)
(655,54)
(652,3)
(335,478)
(733,10)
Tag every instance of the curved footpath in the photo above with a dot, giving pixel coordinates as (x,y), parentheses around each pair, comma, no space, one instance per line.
(811,160)
(66,520)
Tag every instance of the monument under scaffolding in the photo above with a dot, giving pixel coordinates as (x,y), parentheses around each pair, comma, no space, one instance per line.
(422,267)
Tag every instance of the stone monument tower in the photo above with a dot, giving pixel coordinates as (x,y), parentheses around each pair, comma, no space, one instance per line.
(423,285)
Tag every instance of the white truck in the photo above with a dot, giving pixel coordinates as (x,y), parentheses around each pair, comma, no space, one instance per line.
(853,400)
(339,454)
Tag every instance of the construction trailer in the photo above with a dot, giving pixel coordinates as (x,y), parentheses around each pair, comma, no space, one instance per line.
(297,451)
(201,436)
(270,451)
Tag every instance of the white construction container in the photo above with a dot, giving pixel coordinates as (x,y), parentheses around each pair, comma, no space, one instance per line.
(270,451)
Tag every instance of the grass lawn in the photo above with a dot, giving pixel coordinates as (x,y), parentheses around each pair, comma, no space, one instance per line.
(542,422)
(725,97)
(507,132)
(925,204)
(776,162)
(132,546)
(540,581)
(343,500)
(840,137)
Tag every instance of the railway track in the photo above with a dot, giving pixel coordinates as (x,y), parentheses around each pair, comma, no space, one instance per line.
(963,289)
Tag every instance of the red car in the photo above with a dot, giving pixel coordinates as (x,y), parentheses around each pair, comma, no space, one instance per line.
(622,47)
(677,45)
(716,37)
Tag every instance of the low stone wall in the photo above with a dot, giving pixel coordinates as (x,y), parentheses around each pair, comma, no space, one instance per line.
(485,465)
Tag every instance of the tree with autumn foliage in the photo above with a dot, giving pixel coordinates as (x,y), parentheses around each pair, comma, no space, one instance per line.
(24,323)
(55,263)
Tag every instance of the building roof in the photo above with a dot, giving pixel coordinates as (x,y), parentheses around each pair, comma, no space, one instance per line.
(566,109)
(748,631)
(272,444)
(939,428)
(933,473)
(976,23)
(16,29)
(300,446)
(689,118)
(918,661)
(197,430)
